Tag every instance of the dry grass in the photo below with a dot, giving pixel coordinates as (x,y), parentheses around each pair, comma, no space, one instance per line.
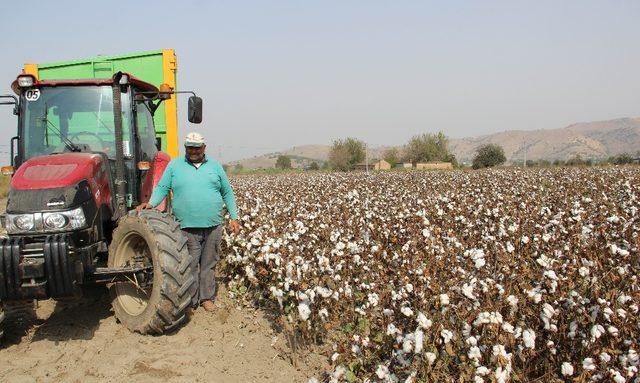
(4,186)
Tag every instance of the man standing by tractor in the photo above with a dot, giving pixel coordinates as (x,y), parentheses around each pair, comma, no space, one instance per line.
(200,187)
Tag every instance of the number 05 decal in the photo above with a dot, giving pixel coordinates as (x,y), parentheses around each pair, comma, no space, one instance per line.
(32,94)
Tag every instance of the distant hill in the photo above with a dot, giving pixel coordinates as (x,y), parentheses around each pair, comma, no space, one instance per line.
(301,156)
(587,139)
(594,140)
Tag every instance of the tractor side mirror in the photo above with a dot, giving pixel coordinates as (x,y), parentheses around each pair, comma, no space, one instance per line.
(159,143)
(12,100)
(195,109)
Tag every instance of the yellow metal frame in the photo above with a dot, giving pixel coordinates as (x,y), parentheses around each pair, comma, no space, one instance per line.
(170,65)
(31,69)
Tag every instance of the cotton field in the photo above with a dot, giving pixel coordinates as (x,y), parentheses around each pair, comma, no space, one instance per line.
(488,276)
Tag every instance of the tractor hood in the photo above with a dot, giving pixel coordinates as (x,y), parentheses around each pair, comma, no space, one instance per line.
(56,171)
(59,182)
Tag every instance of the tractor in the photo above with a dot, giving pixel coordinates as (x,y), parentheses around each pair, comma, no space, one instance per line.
(85,155)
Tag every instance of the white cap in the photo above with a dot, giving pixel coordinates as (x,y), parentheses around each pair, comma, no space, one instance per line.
(194,139)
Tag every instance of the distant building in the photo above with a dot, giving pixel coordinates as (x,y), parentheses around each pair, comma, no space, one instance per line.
(374,165)
(434,165)
(382,165)
(407,165)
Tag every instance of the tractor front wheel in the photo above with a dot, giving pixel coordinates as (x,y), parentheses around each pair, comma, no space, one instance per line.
(155,304)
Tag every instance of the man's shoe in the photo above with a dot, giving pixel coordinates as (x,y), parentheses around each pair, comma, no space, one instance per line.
(208,306)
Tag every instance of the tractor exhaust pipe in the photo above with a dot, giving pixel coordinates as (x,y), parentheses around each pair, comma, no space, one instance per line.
(120,181)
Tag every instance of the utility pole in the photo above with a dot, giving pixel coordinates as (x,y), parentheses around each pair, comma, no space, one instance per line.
(366,157)
(524,146)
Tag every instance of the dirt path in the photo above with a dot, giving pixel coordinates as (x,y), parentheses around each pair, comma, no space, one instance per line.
(85,344)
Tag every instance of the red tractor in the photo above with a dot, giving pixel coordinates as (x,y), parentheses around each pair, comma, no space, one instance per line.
(85,155)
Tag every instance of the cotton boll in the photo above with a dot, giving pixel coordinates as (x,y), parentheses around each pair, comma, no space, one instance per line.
(338,373)
(566,369)
(467,291)
(588,364)
(616,376)
(507,327)
(446,335)
(474,353)
(406,311)
(407,346)
(512,300)
(423,321)
(382,372)
(502,375)
(419,341)
(529,338)
(596,331)
(444,299)
(547,313)
(510,247)
(304,310)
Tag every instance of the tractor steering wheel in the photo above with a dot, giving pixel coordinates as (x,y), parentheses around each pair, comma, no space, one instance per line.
(75,135)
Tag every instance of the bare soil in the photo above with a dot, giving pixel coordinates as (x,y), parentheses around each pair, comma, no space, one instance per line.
(82,342)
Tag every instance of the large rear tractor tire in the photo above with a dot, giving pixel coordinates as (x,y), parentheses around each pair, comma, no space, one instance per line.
(157,305)
(2,316)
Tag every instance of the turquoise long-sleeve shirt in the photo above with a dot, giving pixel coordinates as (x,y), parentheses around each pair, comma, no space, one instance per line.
(198,192)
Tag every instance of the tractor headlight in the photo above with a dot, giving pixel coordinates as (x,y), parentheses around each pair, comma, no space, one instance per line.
(25,81)
(46,222)
(24,222)
(54,220)
(76,218)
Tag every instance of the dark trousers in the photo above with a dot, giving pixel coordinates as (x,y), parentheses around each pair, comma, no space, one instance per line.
(204,246)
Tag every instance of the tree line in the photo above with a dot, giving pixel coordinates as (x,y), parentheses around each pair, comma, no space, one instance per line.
(346,153)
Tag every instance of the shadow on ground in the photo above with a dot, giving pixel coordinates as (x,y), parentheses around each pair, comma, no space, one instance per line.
(70,318)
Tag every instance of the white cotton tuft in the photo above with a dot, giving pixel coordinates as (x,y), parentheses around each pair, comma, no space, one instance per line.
(529,338)
(382,372)
(423,321)
(588,364)
(431,357)
(419,340)
(406,311)
(566,369)
(304,310)
(446,335)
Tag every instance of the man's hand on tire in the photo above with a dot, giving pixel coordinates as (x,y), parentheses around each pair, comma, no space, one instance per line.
(144,205)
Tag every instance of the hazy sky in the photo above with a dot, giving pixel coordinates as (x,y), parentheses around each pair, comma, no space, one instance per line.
(275,74)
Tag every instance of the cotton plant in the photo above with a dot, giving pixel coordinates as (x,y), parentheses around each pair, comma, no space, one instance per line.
(486,276)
